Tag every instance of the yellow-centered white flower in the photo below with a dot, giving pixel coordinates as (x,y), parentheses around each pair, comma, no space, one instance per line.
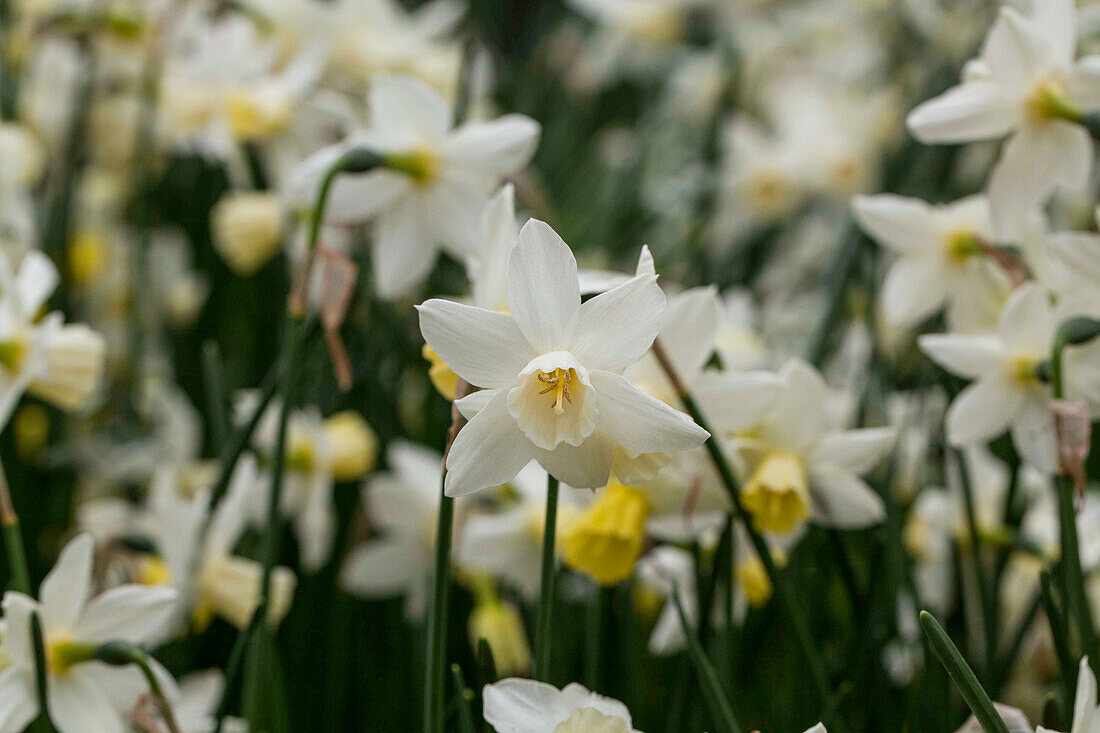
(1007,392)
(82,695)
(551,370)
(1025,84)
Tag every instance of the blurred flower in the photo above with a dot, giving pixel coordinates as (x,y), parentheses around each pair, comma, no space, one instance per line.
(1086,714)
(247,229)
(82,694)
(536,707)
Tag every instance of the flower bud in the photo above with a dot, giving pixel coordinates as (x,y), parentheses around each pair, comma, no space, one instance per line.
(354,445)
(247,226)
(1078,330)
(75,360)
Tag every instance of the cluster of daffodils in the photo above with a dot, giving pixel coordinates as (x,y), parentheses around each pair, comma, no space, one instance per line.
(584,367)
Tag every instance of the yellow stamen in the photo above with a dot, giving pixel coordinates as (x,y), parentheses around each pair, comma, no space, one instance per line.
(961,245)
(420,165)
(1048,101)
(777,494)
(13,354)
(300,454)
(559,381)
(1024,371)
(63,654)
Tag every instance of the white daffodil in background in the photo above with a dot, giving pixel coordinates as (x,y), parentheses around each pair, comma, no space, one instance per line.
(796,467)
(554,391)
(1007,392)
(1086,713)
(1024,84)
(402,503)
(435,184)
(83,695)
(62,363)
(527,706)
(941,258)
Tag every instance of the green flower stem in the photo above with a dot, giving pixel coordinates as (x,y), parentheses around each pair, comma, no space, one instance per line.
(1073,577)
(720,708)
(963,677)
(213,378)
(42,724)
(986,597)
(794,621)
(1058,632)
(546,594)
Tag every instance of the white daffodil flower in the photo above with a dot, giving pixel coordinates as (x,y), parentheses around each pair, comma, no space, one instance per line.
(1086,713)
(83,695)
(738,341)
(665,569)
(403,503)
(435,184)
(527,706)
(1007,392)
(940,255)
(552,373)
(796,467)
(1025,84)
(62,363)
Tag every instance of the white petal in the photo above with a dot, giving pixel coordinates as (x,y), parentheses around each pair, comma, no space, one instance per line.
(1034,436)
(18,644)
(734,401)
(18,699)
(982,411)
(1083,85)
(521,706)
(403,252)
(844,501)
(497,148)
(483,347)
(796,418)
(453,215)
(1027,323)
(915,288)
(36,281)
(78,705)
(641,423)
(489,451)
(474,402)
(1056,21)
(689,329)
(617,327)
(356,199)
(586,466)
(402,103)
(966,356)
(1015,51)
(1032,164)
(543,291)
(855,451)
(381,568)
(973,110)
(1084,703)
(900,223)
(65,589)
(128,612)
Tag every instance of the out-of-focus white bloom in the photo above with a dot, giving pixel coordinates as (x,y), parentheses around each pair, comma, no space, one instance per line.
(247,227)
(83,695)
(1086,714)
(941,260)
(1007,392)
(737,341)
(435,183)
(62,363)
(552,370)
(797,468)
(517,705)
(403,503)
(22,155)
(666,569)
(1026,84)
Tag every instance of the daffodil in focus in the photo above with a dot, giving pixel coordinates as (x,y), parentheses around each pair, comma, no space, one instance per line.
(82,694)
(797,469)
(1027,85)
(434,184)
(551,370)
(513,705)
